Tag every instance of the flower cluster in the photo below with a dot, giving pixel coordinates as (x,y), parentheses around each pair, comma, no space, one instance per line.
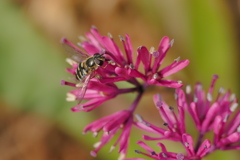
(103,87)
(207,114)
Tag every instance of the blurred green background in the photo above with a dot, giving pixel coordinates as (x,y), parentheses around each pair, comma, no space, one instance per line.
(36,121)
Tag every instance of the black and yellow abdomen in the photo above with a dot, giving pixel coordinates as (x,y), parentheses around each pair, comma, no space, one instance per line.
(89,65)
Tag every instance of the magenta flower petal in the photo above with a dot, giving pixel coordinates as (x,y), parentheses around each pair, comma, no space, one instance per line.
(144,146)
(166,83)
(163,47)
(110,45)
(117,120)
(98,37)
(233,124)
(134,159)
(89,48)
(149,127)
(193,112)
(106,137)
(204,148)
(173,68)
(122,72)
(71,70)
(143,56)
(110,125)
(136,73)
(102,87)
(188,144)
(210,115)
(93,40)
(230,139)
(111,79)
(128,48)
(65,41)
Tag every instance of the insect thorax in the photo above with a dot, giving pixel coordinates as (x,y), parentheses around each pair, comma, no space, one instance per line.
(90,62)
(89,65)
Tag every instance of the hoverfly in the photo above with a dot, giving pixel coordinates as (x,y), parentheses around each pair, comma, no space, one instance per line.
(87,64)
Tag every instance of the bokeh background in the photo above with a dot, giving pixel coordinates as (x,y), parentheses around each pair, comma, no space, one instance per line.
(36,121)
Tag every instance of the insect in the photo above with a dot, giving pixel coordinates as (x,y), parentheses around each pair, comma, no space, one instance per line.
(87,64)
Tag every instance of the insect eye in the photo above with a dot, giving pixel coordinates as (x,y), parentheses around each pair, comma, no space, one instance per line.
(97,54)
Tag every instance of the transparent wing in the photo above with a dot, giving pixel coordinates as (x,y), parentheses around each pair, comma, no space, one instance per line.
(84,87)
(74,52)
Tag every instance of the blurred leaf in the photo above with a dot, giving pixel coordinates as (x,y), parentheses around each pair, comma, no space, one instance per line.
(31,67)
(212,41)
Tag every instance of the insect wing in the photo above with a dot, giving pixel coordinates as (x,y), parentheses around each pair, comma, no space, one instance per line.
(74,52)
(84,88)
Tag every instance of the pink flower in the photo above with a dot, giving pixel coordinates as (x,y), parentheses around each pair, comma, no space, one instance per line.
(213,115)
(110,125)
(195,153)
(102,87)
(227,133)
(166,155)
(96,94)
(207,114)
(117,66)
(151,61)
(174,124)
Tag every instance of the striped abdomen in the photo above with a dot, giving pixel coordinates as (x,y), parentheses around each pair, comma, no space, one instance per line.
(82,71)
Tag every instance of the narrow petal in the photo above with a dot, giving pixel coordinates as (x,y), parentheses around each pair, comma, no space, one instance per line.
(68,43)
(63,82)
(71,70)
(143,55)
(204,148)
(91,49)
(145,146)
(125,136)
(122,72)
(110,45)
(162,147)
(104,140)
(96,34)
(234,124)
(232,138)
(188,144)
(134,159)
(149,128)
(102,87)
(90,94)
(211,114)
(166,83)
(128,48)
(96,125)
(181,98)
(119,119)
(215,77)
(111,79)
(136,73)
(194,115)
(164,45)
(93,40)
(81,107)
(169,70)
